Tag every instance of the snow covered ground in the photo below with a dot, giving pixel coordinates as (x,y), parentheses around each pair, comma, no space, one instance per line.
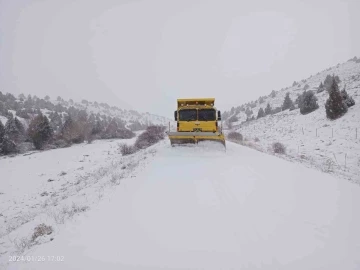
(39,186)
(203,208)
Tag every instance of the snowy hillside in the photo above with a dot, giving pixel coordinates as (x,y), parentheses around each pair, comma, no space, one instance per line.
(128,116)
(330,145)
(179,211)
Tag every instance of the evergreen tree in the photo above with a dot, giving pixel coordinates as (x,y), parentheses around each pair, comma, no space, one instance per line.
(328,81)
(335,106)
(349,101)
(14,130)
(308,102)
(70,131)
(2,133)
(111,130)
(287,102)
(97,129)
(268,109)
(8,146)
(321,88)
(248,112)
(55,121)
(3,108)
(40,131)
(261,113)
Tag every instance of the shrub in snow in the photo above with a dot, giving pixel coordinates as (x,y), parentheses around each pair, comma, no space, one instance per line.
(292,107)
(308,102)
(349,101)
(60,143)
(127,149)
(22,244)
(328,166)
(115,129)
(152,135)
(261,113)
(335,105)
(25,147)
(124,133)
(306,87)
(41,230)
(278,148)
(235,136)
(287,102)
(40,131)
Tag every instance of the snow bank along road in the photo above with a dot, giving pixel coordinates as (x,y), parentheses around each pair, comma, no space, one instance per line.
(197,208)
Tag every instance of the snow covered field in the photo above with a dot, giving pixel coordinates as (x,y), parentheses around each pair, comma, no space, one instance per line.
(40,186)
(198,208)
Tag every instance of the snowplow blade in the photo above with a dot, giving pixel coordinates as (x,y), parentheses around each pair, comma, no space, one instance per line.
(183,138)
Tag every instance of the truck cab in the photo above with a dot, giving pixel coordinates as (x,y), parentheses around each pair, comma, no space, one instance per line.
(197,119)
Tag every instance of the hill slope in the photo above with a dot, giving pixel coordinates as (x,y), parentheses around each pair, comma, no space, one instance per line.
(332,146)
(20,107)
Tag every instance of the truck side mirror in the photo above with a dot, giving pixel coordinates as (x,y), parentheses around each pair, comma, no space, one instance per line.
(175,115)
(219,115)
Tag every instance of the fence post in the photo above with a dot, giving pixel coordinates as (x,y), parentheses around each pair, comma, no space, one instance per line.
(335,158)
(345,159)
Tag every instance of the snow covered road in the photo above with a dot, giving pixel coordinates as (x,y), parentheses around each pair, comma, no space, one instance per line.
(196,208)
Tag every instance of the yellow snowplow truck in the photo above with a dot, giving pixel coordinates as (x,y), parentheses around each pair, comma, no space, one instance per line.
(197,120)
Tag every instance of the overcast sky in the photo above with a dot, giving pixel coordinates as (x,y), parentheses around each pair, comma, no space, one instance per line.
(146,54)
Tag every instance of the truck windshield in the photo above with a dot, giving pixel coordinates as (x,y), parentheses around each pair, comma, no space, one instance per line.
(187,115)
(207,115)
